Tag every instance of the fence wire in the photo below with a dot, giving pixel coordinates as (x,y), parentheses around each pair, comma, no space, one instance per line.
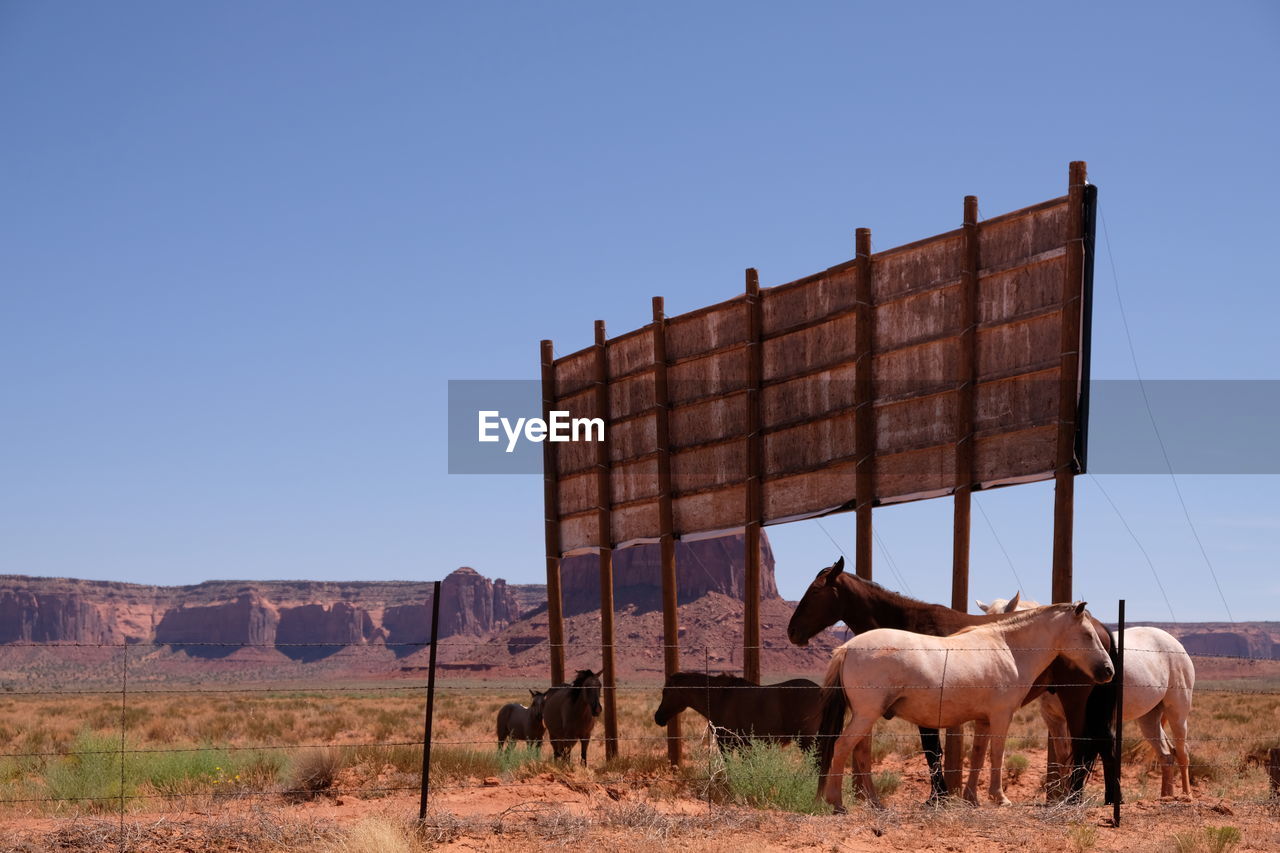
(142,679)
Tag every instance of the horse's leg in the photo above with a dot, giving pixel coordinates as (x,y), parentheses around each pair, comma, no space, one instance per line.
(584,750)
(1178,737)
(999,730)
(931,743)
(981,736)
(834,780)
(862,770)
(1149,724)
(1055,720)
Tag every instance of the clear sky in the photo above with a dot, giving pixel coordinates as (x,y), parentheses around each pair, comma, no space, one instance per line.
(243,247)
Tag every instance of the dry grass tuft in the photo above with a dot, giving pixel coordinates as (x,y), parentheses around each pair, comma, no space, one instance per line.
(314,770)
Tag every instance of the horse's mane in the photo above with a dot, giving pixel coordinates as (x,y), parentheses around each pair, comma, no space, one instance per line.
(883,592)
(582,677)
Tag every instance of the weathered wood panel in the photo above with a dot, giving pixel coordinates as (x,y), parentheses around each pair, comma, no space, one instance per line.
(631,481)
(1015,455)
(809,349)
(633,438)
(577,493)
(709,465)
(1011,239)
(927,264)
(808,446)
(709,329)
(635,521)
(709,420)
(575,372)
(802,494)
(707,511)
(808,300)
(631,352)
(808,395)
(579,531)
(630,396)
(711,375)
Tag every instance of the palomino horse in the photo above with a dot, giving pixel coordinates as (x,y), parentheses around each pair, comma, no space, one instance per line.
(981,673)
(741,710)
(516,722)
(570,713)
(1158,682)
(862,605)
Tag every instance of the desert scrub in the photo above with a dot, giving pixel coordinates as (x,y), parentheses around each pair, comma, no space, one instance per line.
(766,775)
(1209,839)
(1015,765)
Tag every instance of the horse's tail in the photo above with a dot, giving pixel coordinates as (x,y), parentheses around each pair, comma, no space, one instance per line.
(833,703)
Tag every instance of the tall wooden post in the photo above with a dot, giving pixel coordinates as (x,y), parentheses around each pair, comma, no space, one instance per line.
(666,520)
(755,503)
(604,519)
(864,415)
(1068,381)
(966,376)
(551,512)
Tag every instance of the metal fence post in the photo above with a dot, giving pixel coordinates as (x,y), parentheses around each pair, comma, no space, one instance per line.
(431,699)
(1119,744)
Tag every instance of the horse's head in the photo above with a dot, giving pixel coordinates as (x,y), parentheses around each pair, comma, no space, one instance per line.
(1080,644)
(587,685)
(1006,605)
(819,608)
(536,706)
(672,702)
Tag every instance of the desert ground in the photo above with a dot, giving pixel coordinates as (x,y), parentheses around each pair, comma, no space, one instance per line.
(266,768)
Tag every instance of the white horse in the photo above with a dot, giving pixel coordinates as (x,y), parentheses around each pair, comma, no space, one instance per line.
(980,673)
(1158,682)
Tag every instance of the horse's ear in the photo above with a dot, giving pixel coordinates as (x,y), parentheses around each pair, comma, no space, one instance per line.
(982,605)
(1013,602)
(1080,607)
(533,693)
(598,674)
(836,570)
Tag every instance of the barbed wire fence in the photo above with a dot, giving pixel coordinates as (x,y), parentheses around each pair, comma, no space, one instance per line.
(469,706)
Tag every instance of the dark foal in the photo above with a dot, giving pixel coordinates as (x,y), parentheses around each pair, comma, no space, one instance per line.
(516,722)
(742,710)
(862,605)
(570,713)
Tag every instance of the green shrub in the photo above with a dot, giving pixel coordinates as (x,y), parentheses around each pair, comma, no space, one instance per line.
(766,775)
(91,776)
(1015,765)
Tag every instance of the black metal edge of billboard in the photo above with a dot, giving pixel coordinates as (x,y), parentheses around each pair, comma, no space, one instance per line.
(1090,214)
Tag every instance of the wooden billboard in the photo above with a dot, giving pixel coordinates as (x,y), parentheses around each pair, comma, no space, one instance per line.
(954,363)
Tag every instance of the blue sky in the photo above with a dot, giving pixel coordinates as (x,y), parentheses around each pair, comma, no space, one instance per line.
(246,245)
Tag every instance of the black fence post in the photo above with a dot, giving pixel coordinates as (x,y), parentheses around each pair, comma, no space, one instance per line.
(431,699)
(1119,744)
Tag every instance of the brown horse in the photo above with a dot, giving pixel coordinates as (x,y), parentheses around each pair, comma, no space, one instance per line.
(742,710)
(864,606)
(570,713)
(516,722)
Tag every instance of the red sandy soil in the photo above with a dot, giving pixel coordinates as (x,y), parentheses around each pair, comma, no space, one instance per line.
(559,811)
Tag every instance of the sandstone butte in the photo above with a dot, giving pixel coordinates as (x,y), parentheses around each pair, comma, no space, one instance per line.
(490,624)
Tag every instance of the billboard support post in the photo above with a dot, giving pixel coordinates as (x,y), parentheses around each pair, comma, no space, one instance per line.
(551,503)
(755,508)
(666,541)
(1068,385)
(953,753)
(604,518)
(864,413)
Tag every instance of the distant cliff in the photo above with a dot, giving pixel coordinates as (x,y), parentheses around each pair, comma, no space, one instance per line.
(308,620)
